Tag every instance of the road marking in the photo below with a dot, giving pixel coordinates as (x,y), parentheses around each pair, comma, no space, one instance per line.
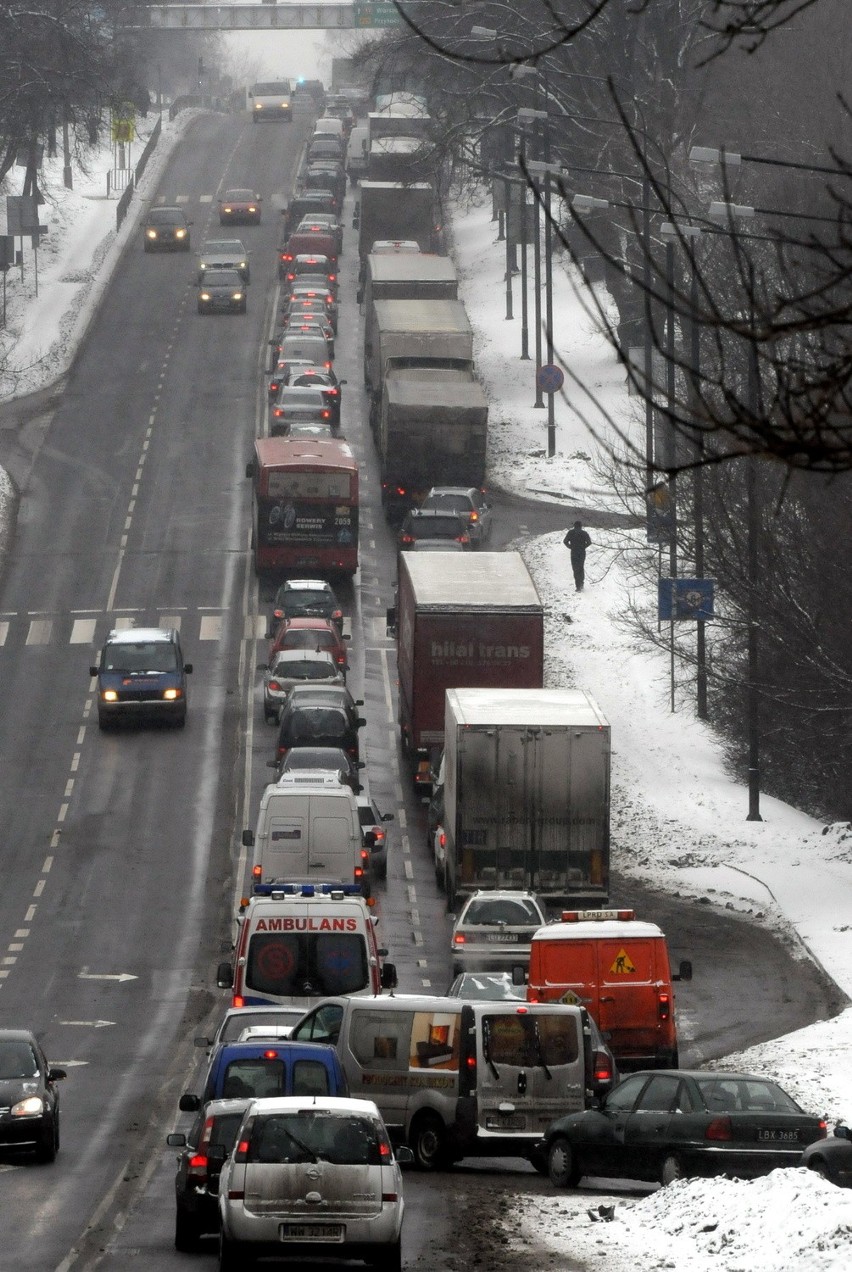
(211,627)
(89,1024)
(83,631)
(412,893)
(39,631)
(85,974)
(170,620)
(407,867)
(125,622)
(205,198)
(4,632)
(39,888)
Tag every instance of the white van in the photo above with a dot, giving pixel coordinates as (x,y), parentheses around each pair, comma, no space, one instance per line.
(455,1078)
(270,99)
(308,831)
(357,153)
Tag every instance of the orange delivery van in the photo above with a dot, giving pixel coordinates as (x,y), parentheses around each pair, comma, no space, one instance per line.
(617,967)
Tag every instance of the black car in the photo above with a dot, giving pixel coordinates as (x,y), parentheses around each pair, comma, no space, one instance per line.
(666,1125)
(304,598)
(29,1100)
(197,1209)
(300,406)
(221,291)
(312,264)
(306,725)
(166,229)
(832,1157)
(326,695)
(306,203)
(323,759)
(432,526)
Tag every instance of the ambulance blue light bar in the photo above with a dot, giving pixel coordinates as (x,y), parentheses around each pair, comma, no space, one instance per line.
(306,889)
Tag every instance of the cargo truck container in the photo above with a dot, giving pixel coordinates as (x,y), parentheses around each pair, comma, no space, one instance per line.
(432,431)
(526,794)
(404,276)
(391,210)
(415,333)
(462,618)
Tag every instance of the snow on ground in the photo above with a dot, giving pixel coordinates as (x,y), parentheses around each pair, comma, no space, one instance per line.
(678,819)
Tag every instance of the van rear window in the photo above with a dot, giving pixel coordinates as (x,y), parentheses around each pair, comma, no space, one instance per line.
(526,1040)
(307,964)
(259,1078)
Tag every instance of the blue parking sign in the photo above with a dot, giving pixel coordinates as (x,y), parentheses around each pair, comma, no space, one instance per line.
(685,599)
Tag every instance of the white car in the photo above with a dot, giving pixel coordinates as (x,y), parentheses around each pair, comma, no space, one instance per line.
(494,929)
(311,1178)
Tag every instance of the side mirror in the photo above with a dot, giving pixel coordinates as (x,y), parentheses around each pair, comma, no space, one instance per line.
(390,621)
(387,817)
(404,1155)
(225,976)
(684,971)
(248,839)
(519,974)
(56,1075)
(360,723)
(93,671)
(189,1103)
(201,1041)
(342,382)
(346,636)
(359,296)
(272,764)
(187,669)
(389,978)
(250,469)
(176,1140)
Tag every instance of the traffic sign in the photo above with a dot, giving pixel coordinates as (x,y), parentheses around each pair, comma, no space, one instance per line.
(550,378)
(376,15)
(690,599)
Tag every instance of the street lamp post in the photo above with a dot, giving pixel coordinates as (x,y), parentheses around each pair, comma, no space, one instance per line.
(526,115)
(544,153)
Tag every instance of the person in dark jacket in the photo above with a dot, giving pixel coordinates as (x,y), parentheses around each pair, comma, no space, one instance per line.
(577,540)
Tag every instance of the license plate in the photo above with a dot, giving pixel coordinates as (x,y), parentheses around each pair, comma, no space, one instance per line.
(505,1122)
(311,1231)
(778,1137)
(500,938)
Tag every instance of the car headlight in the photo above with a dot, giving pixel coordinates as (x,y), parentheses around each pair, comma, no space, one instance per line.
(109,695)
(151,233)
(243,265)
(226,209)
(204,296)
(237,296)
(171,695)
(180,233)
(32,1106)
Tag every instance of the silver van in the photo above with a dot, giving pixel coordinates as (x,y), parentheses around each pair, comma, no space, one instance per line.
(308,832)
(456,1079)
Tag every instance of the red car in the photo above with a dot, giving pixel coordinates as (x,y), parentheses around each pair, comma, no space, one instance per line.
(239,207)
(311,633)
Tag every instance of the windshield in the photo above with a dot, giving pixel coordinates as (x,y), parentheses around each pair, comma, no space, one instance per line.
(144,657)
(272,88)
(511,913)
(17,1060)
(316,757)
(307,964)
(166,216)
(236,1022)
(309,1136)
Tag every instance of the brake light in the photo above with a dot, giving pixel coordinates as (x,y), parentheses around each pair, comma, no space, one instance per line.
(286,256)
(197,1164)
(378,836)
(359,873)
(270,1055)
(337,614)
(719,1129)
(474,516)
(602,1067)
(364,855)
(385,1151)
(341,659)
(664,1006)
(238,1001)
(462,538)
(326,415)
(256,872)
(273,684)
(442,839)
(471,1065)
(458,939)
(278,413)
(406,538)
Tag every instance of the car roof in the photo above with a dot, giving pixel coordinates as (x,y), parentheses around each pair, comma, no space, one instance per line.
(219,1108)
(324,1103)
(142,636)
(311,624)
(453,490)
(304,584)
(223,245)
(17,1035)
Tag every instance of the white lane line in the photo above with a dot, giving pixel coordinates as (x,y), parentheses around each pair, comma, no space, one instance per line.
(427,984)
(48,862)
(39,631)
(69,787)
(39,888)
(4,632)
(412,893)
(407,867)
(75,761)
(22,934)
(30,914)
(211,627)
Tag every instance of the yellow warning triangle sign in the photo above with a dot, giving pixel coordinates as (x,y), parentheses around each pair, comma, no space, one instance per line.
(622,965)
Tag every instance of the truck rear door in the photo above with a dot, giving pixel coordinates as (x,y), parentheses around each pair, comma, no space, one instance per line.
(628,1012)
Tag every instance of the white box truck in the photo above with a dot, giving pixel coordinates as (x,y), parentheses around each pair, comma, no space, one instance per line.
(526,794)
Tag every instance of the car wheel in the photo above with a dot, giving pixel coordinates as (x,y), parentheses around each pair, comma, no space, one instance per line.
(562,1167)
(671,1169)
(104,722)
(147,247)
(232,1256)
(820,1167)
(201,309)
(187,1233)
(48,1143)
(389,1259)
(439,878)
(427,1139)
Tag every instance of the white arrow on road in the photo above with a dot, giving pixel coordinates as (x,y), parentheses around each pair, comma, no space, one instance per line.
(113,976)
(89,1024)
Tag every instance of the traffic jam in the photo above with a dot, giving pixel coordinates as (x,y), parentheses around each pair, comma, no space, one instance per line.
(553,1045)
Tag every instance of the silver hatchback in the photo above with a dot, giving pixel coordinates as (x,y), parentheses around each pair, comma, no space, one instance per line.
(494,929)
(311,1178)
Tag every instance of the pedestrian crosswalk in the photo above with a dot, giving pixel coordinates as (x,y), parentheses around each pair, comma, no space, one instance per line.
(34,630)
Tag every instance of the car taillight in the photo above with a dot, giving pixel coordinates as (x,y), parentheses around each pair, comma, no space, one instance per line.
(719,1129)
(341,659)
(326,415)
(238,1001)
(442,839)
(602,1067)
(378,836)
(359,872)
(389,1197)
(275,686)
(474,516)
(458,939)
(332,278)
(278,413)
(290,278)
(406,538)
(337,614)
(462,538)
(256,872)
(197,1165)
(471,1066)
(664,1006)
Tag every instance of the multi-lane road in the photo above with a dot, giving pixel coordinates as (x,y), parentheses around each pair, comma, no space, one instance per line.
(120,852)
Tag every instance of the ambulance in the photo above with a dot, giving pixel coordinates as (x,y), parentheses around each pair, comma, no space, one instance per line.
(299,943)
(617,967)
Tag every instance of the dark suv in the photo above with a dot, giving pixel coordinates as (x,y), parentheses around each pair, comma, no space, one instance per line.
(166,230)
(317,726)
(142,674)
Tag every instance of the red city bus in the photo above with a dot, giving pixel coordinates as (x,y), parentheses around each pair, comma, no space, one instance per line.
(305,505)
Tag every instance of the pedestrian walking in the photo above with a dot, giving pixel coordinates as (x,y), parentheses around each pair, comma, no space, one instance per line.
(577,540)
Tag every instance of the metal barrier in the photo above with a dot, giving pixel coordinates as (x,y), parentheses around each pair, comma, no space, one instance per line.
(124,203)
(149,148)
(118,179)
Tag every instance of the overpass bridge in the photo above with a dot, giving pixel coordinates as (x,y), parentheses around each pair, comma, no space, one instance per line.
(283,15)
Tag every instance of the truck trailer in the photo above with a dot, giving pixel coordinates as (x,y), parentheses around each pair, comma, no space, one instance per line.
(415,333)
(462,618)
(526,794)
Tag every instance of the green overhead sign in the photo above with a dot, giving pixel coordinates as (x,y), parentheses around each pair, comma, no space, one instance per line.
(376,15)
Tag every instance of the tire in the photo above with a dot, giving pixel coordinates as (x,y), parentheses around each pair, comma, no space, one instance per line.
(104,723)
(439,878)
(671,1169)
(389,1259)
(232,1257)
(48,1144)
(187,1233)
(562,1167)
(427,1139)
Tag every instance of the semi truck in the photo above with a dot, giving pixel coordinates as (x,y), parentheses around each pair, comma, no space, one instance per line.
(461,618)
(391,210)
(415,333)
(526,794)
(432,431)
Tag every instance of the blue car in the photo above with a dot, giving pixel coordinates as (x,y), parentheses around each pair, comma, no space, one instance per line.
(268,1068)
(142,675)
